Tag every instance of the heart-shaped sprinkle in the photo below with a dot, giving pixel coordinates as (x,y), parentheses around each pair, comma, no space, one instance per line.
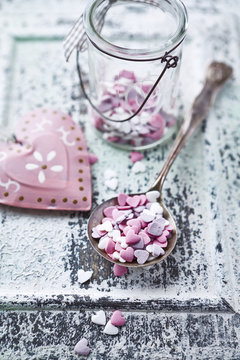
(118,247)
(51,169)
(122,199)
(81,348)
(139,245)
(110,329)
(108,211)
(103,243)
(132,238)
(112,184)
(156,208)
(157,250)
(136,156)
(155,228)
(105,226)
(147,216)
(135,223)
(99,318)
(145,237)
(84,276)
(141,255)
(117,318)
(133,200)
(115,255)
(92,159)
(138,167)
(143,199)
(109,174)
(110,247)
(153,195)
(127,254)
(119,270)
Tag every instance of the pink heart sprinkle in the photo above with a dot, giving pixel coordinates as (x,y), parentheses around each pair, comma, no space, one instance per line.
(157,121)
(143,199)
(136,156)
(127,254)
(118,247)
(122,199)
(92,158)
(133,200)
(81,347)
(145,237)
(119,270)
(126,230)
(117,318)
(116,214)
(135,223)
(127,207)
(161,239)
(163,244)
(108,211)
(110,247)
(132,238)
(107,219)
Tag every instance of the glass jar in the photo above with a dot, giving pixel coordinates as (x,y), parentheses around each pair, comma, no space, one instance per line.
(134,52)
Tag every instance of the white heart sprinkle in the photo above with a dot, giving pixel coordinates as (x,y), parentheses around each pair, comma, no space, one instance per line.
(106,226)
(124,245)
(112,184)
(99,318)
(84,276)
(103,242)
(116,255)
(149,248)
(110,329)
(147,216)
(156,208)
(115,234)
(153,195)
(121,260)
(138,167)
(109,174)
(157,250)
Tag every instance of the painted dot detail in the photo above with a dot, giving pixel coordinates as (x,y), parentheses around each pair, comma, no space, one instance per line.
(80,148)
(25,137)
(53,201)
(33,115)
(80,171)
(81,188)
(24,129)
(80,179)
(63,117)
(64,200)
(75,201)
(72,128)
(6,194)
(21,198)
(78,139)
(44,167)
(84,198)
(80,160)
(39,199)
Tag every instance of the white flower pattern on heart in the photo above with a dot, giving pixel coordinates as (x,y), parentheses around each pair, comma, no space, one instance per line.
(38,156)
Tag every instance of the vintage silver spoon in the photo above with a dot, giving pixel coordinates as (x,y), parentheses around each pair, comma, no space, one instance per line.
(216,76)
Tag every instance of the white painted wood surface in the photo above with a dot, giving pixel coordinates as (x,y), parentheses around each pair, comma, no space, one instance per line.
(42,251)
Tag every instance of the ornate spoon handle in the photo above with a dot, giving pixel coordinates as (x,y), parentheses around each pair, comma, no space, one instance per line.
(217,75)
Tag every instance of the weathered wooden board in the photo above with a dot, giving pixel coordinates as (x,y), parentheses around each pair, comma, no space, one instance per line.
(41,252)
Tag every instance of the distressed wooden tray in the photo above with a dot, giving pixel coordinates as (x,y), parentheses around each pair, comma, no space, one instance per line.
(41,251)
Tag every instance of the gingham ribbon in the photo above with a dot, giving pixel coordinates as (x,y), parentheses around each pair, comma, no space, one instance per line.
(76,38)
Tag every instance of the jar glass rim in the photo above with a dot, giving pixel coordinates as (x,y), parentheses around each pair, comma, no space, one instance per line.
(135,54)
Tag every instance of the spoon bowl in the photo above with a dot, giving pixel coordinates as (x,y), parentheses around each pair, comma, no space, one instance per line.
(97,216)
(216,76)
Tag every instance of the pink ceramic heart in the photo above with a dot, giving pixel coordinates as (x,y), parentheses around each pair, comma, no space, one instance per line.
(50,170)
